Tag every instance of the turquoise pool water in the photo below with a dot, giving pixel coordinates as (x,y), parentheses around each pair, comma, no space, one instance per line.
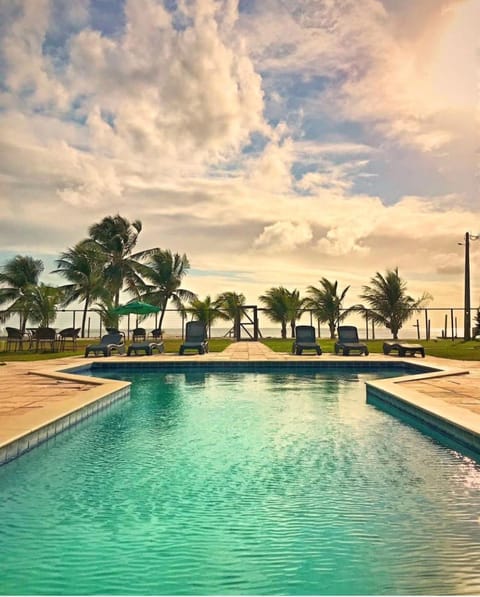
(241,483)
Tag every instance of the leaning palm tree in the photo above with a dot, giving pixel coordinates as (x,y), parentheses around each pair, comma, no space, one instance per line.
(231,304)
(206,311)
(116,238)
(17,275)
(83,267)
(388,301)
(282,306)
(326,304)
(162,277)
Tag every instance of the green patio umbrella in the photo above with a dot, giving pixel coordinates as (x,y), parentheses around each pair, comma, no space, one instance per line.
(136,307)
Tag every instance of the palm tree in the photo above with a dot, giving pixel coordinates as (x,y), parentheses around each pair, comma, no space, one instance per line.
(43,300)
(83,267)
(477,322)
(389,303)
(106,309)
(18,275)
(116,238)
(296,308)
(206,311)
(231,304)
(326,303)
(282,306)
(163,274)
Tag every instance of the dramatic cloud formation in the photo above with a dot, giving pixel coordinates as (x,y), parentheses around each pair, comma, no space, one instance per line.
(273,142)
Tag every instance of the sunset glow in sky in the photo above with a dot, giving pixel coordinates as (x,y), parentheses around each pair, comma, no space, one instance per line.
(274,142)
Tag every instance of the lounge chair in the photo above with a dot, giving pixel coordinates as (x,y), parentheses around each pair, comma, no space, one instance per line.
(305,340)
(107,345)
(403,350)
(195,338)
(348,341)
(146,347)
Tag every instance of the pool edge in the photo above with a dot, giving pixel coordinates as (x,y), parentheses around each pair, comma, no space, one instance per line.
(106,392)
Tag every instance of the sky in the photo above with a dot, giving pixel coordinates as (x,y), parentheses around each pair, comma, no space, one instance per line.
(274,142)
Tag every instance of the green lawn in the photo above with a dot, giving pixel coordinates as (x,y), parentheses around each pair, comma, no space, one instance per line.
(457,349)
(448,349)
(171,346)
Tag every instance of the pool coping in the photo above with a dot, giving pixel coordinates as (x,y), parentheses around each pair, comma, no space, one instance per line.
(447,420)
(59,417)
(106,392)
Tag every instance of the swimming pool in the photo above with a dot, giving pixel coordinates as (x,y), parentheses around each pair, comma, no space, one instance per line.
(275,482)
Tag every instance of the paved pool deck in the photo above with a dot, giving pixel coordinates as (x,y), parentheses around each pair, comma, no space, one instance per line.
(35,394)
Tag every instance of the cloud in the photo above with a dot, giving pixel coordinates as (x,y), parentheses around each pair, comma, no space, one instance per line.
(284,236)
(448,263)
(286,141)
(377,65)
(271,170)
(184,93)
(30,73)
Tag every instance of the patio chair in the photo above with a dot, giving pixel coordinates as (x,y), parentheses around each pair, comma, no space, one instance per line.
(108,344)
(45,337)
(157,334)
(139,334)
(15,339)
(195,338)
(305,340)
(348,341)
(146,347)
(402,349)
(70,335)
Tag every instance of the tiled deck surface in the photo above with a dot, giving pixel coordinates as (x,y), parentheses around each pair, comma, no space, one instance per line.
(32,393)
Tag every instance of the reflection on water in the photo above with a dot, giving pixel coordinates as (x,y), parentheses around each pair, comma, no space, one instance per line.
(241,483)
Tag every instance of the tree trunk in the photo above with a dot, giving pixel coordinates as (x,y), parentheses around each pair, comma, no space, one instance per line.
(331,326)
(284,330)
(236,326)
(84,316)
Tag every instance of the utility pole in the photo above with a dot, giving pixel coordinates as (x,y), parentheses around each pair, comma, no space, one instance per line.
(466,302)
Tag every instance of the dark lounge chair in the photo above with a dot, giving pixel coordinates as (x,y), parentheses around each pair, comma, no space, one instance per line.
(348,341)
(195,338)
(146,347)
(403,350)
(305,340)
(107,345)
